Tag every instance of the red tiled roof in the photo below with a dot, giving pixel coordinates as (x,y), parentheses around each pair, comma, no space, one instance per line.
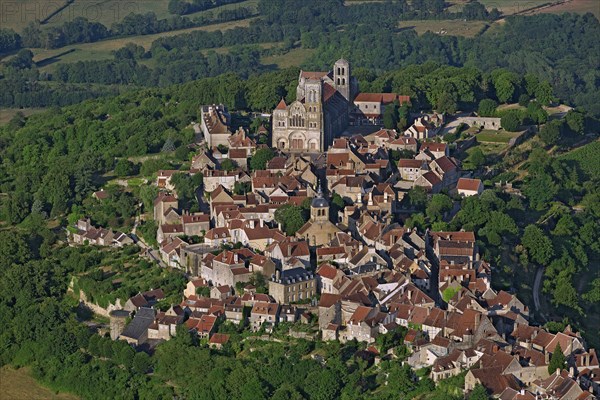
(468,184)
(219,338)
(384,98)
(313,74)
(281,105)
(327,271)
(409,163)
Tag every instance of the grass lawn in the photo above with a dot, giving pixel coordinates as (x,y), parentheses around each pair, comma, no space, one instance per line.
(6,114)
(18,14)
(513,106)
(489,136)
(18,384)
(454,27)
(292,58)
(103,50)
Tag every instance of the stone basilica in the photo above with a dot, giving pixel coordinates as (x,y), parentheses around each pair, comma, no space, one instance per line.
(321,110)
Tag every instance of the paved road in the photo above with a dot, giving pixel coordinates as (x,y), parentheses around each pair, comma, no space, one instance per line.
(539,274)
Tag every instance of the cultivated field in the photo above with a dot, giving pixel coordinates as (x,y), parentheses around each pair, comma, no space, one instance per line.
(17,384)
(107,12)
(454,27)
(507,7)
(574,6)
(102,50)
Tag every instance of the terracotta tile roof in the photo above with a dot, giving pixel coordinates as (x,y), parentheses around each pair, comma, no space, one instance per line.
(328,91)
(327,271)
(433,146)
(384,98)
(172,228)
(219,338)
(409,163)
(237,153)
(329,299)
(468,184)
(445,164)
(313,74)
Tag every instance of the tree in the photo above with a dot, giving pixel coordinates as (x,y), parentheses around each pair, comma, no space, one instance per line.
(291,218)
(228,165)
(538,244)
(438,206)
(479,392)
(544,93)
(446,103)
(390,116)
(550,133)
(487,108)
(141,362)
(125,167)
(576,122)
(557,361)
(511,120)
(417,197)
(260,159)
(524,100)
(593,296)
(506,84)
(322,385)
(476,158)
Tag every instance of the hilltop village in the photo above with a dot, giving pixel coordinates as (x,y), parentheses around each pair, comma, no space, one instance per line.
(308,231)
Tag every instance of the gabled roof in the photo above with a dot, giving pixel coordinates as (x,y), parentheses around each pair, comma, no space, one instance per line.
(281,105)
(468,184)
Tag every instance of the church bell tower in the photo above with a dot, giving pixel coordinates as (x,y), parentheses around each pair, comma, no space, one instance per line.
(342,78)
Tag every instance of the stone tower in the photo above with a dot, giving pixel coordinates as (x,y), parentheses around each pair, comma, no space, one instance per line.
(342,78)
(118,319)
(319,208)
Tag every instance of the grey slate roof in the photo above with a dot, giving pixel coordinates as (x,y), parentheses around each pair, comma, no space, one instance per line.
(139,324)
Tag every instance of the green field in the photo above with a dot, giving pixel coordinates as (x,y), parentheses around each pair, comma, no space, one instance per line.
(18,14)
(588,158)
(452,27)
(489,136)
(292,58)
(507,7)
(107,12)
(103,50)
(574,6)
(6,114)
(17,384)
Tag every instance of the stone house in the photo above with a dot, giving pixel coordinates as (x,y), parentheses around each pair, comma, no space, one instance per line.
(330,310)
(469,187)
(264,313)
(293,285)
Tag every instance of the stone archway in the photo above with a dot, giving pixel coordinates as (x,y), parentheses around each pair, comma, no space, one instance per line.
(297,141)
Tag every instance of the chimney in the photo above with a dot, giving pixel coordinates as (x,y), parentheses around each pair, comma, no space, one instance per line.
(235,258)
(262,224)
(277,275)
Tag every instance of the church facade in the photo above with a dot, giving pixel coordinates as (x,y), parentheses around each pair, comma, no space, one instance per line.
(321,110)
